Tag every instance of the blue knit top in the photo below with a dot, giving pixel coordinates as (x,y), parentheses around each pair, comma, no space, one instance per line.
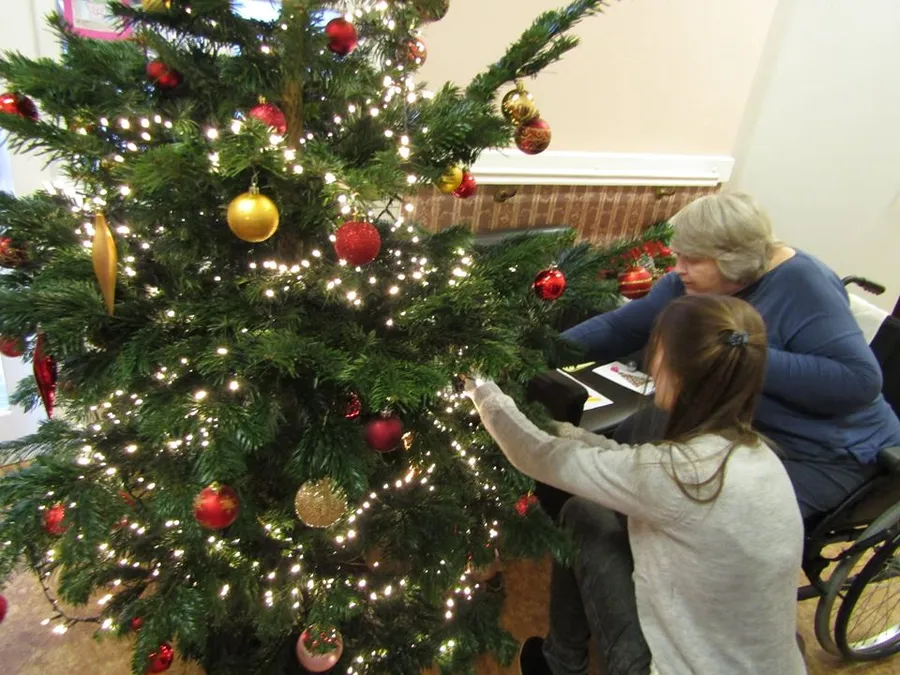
(822,394)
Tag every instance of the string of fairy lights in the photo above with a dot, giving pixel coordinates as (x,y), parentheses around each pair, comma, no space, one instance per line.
(286,583)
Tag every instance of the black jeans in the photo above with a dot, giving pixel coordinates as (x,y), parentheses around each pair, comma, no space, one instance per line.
(595,597)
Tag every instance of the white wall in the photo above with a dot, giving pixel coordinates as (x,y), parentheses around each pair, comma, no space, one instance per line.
(820,144)
(650,76)
(22,29)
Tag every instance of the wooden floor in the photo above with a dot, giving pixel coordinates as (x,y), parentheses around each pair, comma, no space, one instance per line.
(27,648)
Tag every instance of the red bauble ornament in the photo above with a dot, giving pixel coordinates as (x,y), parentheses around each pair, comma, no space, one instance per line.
(353,408)
(313,661)
(11,255)
(384,434)
(357,242)
(270,114)
(525,503)
(44,368)
(635,282)
(12,347)
(3,605)
(161,660)
(342,37)
(533,137)
(137,623)
(216,507)
(416,52)
(53,520)
(468,187)
(163,76)
(549,284)
(16,104)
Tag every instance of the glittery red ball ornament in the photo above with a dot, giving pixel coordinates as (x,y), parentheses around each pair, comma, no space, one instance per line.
(44,367)
(342,37)
(525,503)
(635,282)
(533,137)
(384,434)
(161,660)
(11,255)
(12,347)
(468,187)
(353,407)
(270,114)
(53,520)
(3,606)
(357,242)
(549,284)
(216,507)
(137,623)
(16,104)
(163,76)
(416,52)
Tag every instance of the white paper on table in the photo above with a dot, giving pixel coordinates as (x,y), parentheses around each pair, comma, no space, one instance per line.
(626,377)
(595,398)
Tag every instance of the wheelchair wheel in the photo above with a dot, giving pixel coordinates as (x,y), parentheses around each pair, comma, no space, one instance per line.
(868,620)
(841,579)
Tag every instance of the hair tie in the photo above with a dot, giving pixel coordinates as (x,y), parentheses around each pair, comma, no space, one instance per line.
(736,338)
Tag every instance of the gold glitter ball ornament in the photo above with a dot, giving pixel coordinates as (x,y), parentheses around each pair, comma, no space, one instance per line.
(518,107)
(319,503)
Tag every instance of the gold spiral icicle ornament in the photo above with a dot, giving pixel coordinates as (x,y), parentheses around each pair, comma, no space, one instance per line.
(105,260)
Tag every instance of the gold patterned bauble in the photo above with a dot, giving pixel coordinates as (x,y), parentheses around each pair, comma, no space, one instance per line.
(105,259)
(518,106)
(431,10)
(319,503)
(450,180)
(156,5)
(253,217)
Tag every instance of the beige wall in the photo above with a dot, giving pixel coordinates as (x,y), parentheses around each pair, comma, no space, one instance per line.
(655,76)
(821,142)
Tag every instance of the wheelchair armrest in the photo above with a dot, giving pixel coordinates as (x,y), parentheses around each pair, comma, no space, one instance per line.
(889,459)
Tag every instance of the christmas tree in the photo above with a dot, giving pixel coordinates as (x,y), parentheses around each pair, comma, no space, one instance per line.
(258,453)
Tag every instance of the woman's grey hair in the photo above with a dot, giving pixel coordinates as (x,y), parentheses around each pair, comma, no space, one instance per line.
(732,229)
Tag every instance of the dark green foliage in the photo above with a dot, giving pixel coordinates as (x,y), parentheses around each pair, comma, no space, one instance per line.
(233,363)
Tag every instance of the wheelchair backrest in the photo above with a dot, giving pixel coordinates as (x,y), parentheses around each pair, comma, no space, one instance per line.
(883,333)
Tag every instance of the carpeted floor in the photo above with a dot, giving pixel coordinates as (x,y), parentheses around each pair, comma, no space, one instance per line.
(27,648)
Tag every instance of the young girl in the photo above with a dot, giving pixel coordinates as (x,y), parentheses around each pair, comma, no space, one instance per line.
(713,523)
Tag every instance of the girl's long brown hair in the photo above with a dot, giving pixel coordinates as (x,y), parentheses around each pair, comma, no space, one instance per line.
(714,349)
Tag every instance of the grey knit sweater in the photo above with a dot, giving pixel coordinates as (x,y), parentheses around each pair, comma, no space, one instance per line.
(715,583)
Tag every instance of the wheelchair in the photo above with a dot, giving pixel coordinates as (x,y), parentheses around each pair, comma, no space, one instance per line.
(852,554)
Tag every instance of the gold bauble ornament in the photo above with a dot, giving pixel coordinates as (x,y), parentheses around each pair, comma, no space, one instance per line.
(319,503)
(253,217)
(156,5)
(450,180)
(518,107)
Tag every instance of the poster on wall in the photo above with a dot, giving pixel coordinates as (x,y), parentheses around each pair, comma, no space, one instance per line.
(91,18)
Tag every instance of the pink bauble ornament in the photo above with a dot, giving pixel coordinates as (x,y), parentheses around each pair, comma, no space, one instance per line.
(319,650)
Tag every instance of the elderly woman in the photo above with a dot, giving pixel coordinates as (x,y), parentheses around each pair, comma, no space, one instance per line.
(821,407)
